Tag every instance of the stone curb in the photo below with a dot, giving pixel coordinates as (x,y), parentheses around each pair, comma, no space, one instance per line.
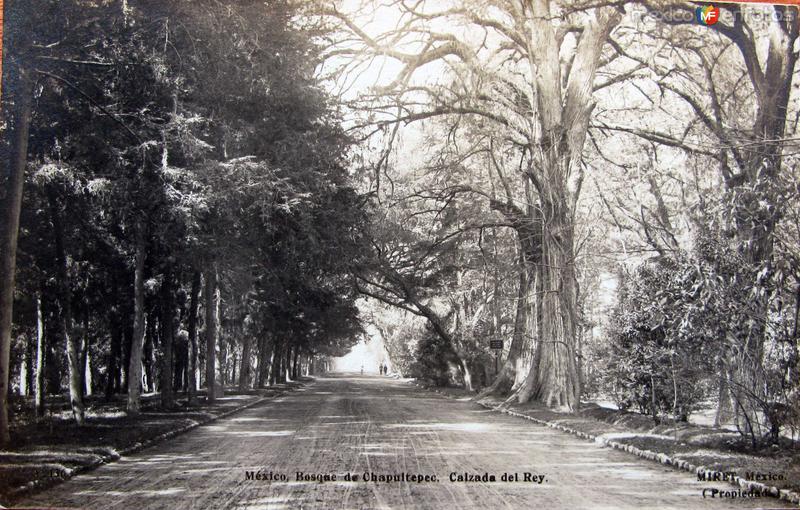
(763,489)
(113,455)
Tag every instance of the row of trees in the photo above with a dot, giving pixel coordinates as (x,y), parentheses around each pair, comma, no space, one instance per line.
(566,142)
(186,201)
(174,159)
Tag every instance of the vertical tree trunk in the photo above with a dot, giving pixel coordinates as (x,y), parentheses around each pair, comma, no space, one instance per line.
(286,363)
(465,372)
(127,343)
(234,365)
(115,348)
(553,377)
(286,360)
(210,307)
(180,377)
(180,348)
(295,372)
(289,357)
(259,368)
(66,320)
(87,380)
(532,322)
(114,355)
(135,358)
(724,412)
(274,361)
(52,355)
(222,348)
(10,206)
(148,358)
(554,374)
(193,306)
(86,358)
(756,207)
(24,370)
(38,398)
(563,112)
(244,373)
(278,376)
(167,337)
(264,361)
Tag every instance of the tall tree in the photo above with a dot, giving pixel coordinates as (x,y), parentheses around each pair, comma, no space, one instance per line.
(528,68)
(18,79)
(735,90)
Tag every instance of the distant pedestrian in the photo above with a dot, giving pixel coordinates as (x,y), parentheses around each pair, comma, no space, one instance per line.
(385,369)
(362,369)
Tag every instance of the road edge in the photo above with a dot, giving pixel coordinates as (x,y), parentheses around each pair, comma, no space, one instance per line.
(662,458)
(43,483)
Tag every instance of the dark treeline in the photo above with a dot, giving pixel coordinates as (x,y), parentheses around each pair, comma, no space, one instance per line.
(187,219)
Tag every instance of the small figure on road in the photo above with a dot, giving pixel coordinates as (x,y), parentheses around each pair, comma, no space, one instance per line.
(380,368)
(362,369)
(385,369)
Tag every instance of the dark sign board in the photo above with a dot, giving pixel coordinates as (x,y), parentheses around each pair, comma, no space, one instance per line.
(495,344)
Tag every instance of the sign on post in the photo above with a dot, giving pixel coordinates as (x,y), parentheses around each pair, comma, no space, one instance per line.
(496,344)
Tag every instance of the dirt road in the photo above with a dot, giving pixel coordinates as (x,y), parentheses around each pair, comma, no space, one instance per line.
(385,428)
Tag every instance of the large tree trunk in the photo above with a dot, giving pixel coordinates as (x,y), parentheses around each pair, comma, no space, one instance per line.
(167,340)
(756,205)
(553,378)
(10,206)
(193,354)
(210,308)
(135,358)
(531,328)
(563,114)
(66,320)
(756,212)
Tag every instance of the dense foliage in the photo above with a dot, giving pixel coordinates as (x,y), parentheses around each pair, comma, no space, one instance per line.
(676,332)
(187,179)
